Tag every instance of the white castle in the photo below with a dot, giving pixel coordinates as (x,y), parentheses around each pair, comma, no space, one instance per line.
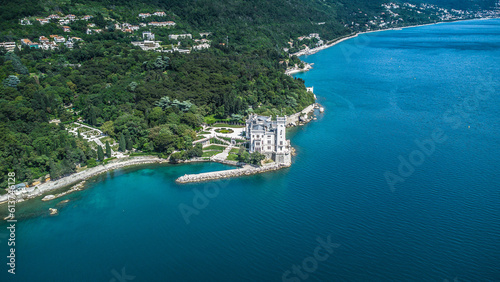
(268,137)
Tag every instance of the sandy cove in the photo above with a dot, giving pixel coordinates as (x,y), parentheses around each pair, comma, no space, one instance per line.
(83,175)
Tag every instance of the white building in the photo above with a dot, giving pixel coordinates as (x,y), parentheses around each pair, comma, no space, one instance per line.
(43,21)
(268,137)
(9,46)
(201,46)
(160,14)
(147,45)
(25,21)
(177,36)
(147,35)
(59,39)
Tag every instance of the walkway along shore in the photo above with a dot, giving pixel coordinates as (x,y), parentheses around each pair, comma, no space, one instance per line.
(81,176)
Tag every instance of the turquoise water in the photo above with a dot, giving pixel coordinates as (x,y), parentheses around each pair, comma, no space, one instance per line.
(436,219)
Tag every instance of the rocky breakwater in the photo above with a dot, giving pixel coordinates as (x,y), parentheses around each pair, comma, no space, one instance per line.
(246,170)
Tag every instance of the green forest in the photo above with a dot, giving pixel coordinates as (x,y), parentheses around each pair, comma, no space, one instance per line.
(149,101)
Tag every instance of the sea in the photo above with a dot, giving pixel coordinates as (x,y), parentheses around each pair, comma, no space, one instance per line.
(398,180)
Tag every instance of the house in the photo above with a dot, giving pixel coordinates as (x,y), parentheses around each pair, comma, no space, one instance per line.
(59,39)
(43,21)
(98,30)
(268,137)
(205,34)
(69,44)
(127,30)
(144,15)
(75,39)
(9,46)
(53,36)
(159,14)
(91,25)
(134,27)
(25,21)
(143,25)
(182,36)
(53,16)
(63,22)
(201,46)
(147,35)
(89,31)
(147,44)
(49,46)
(66,28)
(43,39)
(28,43)
(86,18)
(71,17)
(161,23)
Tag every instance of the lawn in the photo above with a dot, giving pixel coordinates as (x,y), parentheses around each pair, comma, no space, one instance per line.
(210,153)
(234,151)
(232,157)
(229,139)
(107,138)
(223,130)
(214,147)
(227,125)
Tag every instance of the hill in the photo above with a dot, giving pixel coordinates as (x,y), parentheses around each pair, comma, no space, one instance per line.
(93,62)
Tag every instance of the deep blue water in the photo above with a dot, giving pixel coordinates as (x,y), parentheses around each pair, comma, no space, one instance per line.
(382,92)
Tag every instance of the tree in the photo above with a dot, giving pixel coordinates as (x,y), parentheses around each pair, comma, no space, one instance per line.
(196,151)
(108,150)
(256,158)
(11,81)
(91,163)
(243,155)
(100,154)
(128,140)
(16,63)
(122,144)
(108,128)
(93,118)
(177,156)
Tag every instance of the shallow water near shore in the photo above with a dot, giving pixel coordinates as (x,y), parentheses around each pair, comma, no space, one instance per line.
(384,93)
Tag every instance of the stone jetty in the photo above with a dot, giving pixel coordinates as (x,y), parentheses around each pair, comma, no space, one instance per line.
(246,170)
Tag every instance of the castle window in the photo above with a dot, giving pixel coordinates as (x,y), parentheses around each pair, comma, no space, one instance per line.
(269,147)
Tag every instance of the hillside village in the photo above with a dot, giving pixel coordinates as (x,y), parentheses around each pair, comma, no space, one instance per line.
(390,17)
(142,30)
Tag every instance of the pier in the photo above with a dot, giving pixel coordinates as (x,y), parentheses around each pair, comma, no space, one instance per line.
(245,170)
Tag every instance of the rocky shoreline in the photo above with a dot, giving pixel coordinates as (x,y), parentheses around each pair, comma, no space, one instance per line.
(79,177)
